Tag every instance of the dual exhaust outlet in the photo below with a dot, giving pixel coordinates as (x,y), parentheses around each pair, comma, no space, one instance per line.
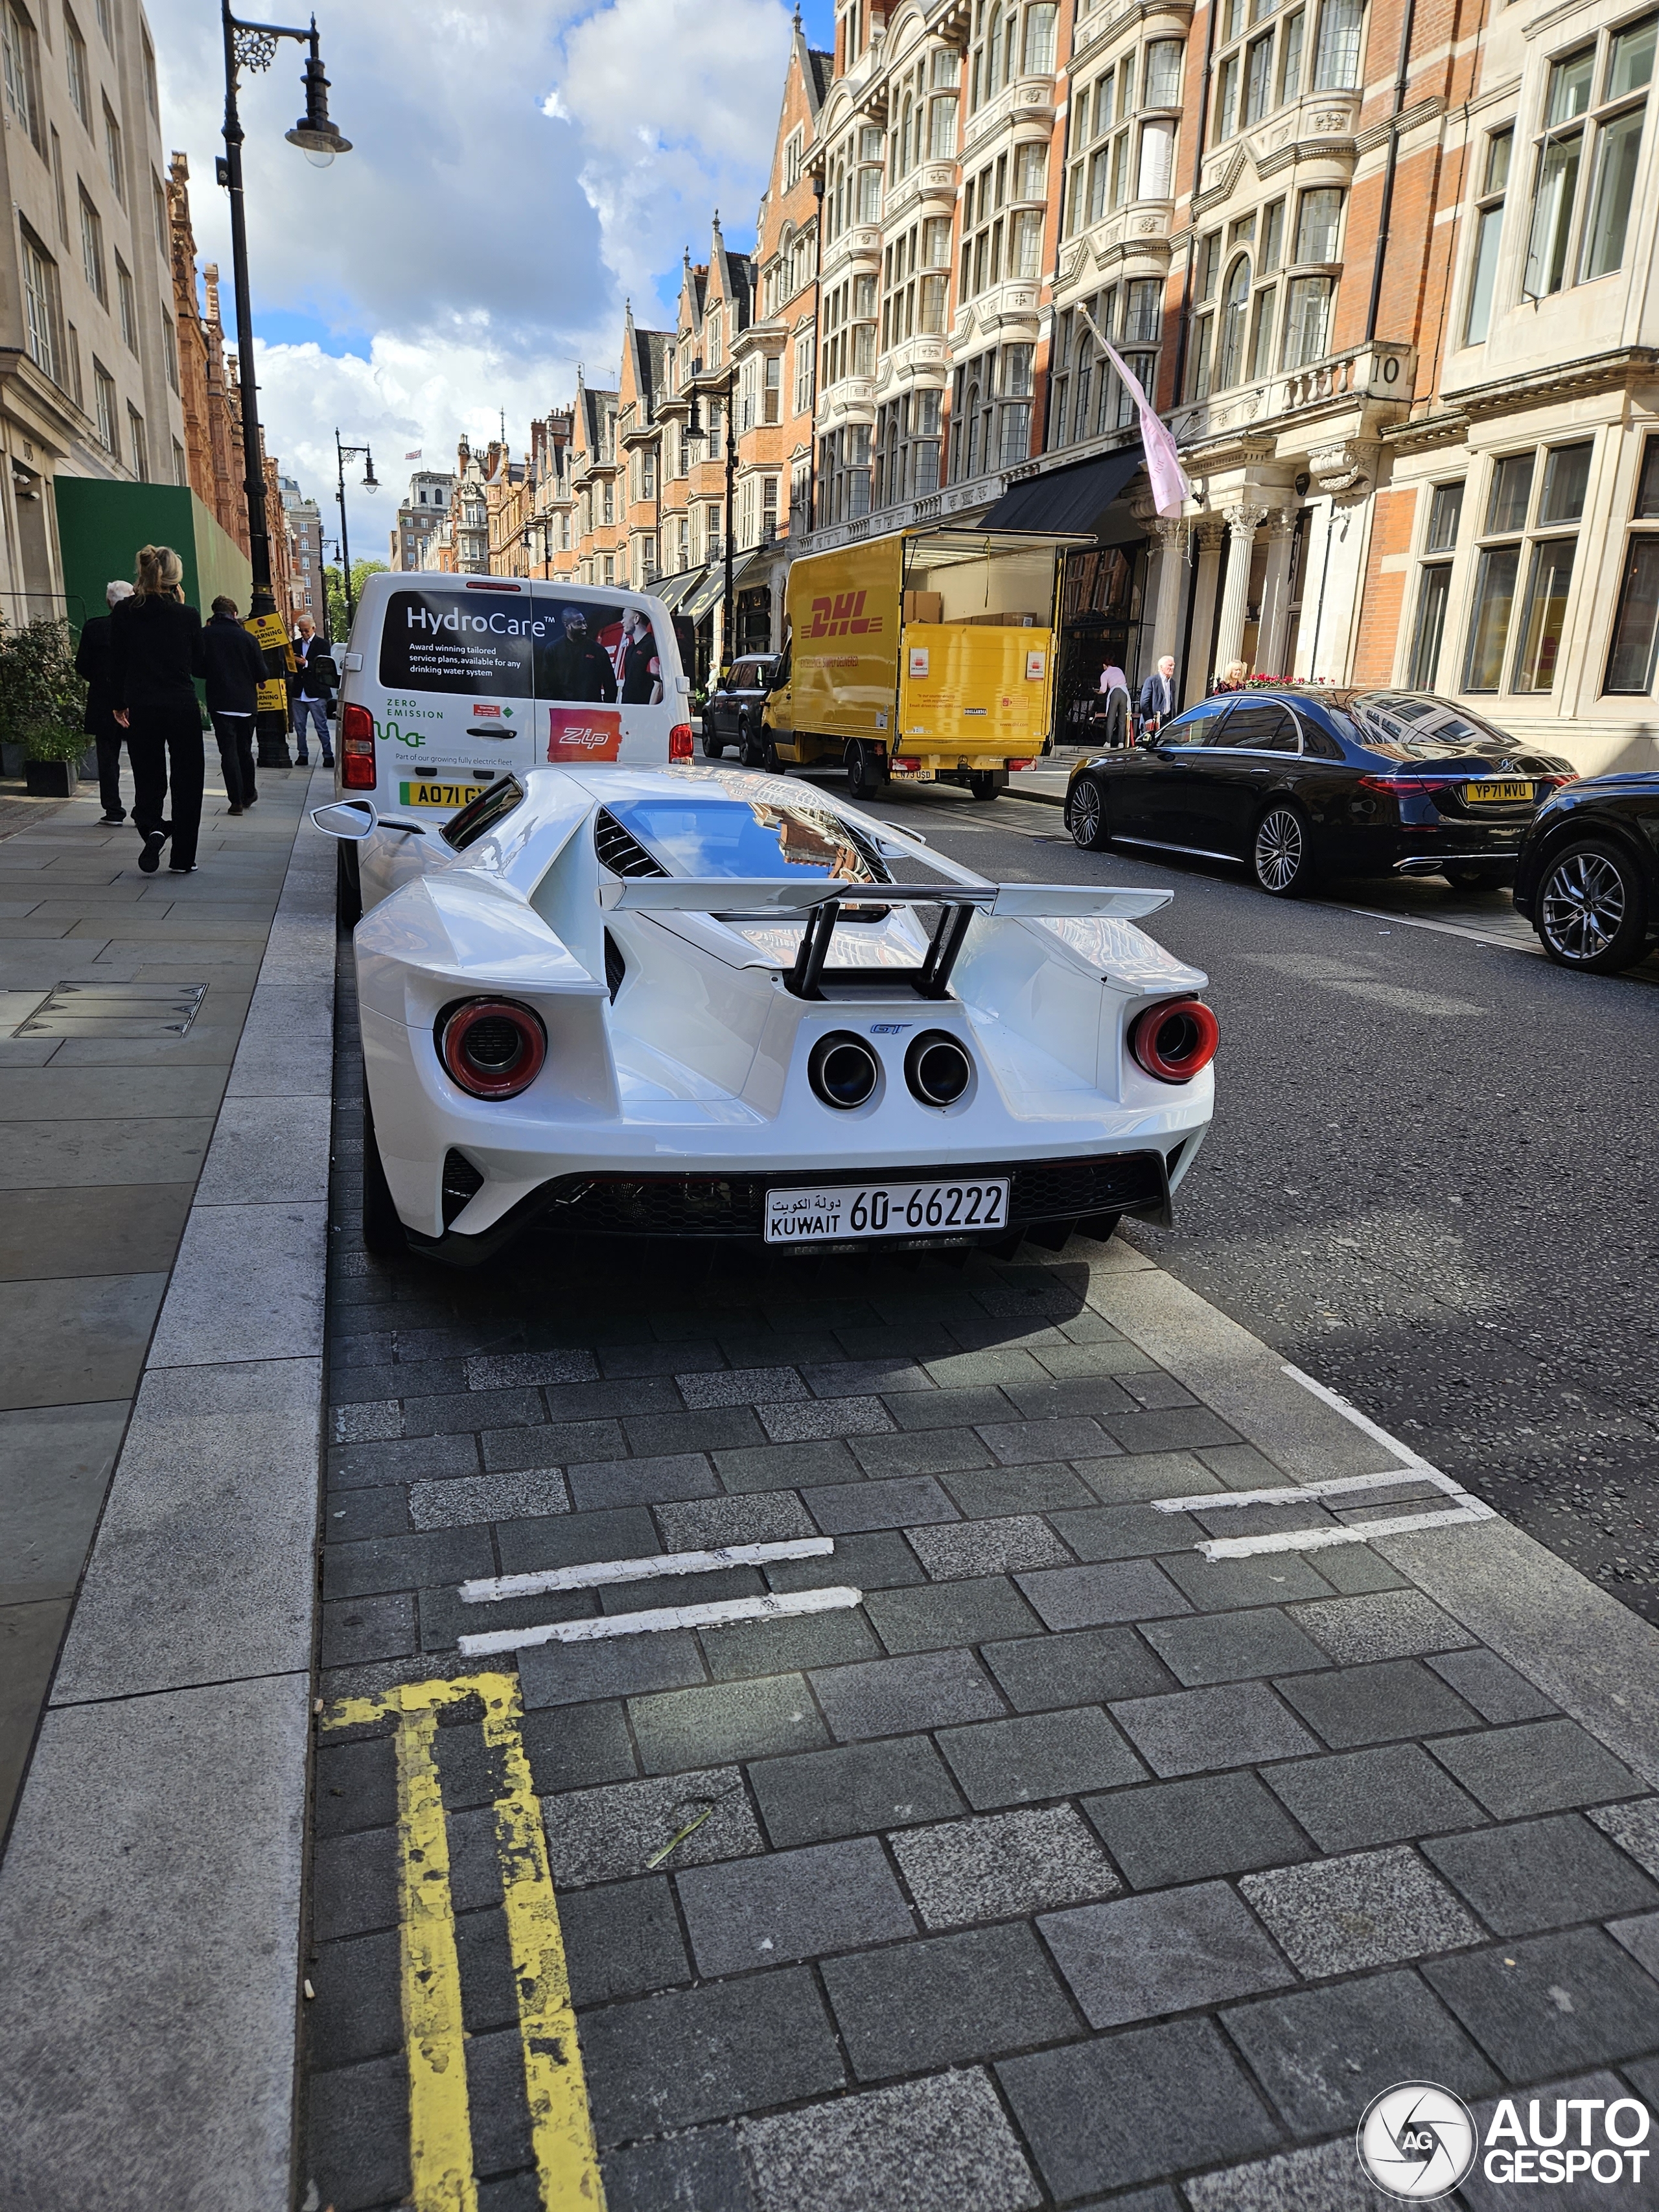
(844,1072)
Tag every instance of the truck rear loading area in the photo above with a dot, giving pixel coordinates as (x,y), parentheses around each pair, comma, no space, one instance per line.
(924,655)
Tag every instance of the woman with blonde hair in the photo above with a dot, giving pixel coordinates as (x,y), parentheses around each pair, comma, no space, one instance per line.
(155,653)
(1236,676)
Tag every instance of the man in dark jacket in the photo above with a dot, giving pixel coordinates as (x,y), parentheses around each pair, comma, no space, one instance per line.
(92,662)
(311,689)
(577,667)
(235,670)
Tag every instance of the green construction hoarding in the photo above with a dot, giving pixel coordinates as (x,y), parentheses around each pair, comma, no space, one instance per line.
(101,527)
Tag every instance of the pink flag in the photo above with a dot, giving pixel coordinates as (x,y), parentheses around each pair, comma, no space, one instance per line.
(1170,490)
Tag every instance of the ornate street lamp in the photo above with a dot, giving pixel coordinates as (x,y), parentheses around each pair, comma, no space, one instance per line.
(371,482)
(254,46)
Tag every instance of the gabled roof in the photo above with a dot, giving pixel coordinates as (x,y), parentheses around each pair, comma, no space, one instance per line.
(819,75)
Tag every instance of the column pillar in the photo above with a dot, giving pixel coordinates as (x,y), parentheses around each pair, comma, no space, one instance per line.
(1241,524)
(1171,534)
(1209,530)
(1276,592)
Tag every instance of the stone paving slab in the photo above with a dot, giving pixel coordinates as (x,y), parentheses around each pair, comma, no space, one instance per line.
(1068,1869)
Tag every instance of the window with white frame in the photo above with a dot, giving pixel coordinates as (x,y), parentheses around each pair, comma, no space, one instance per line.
(1434,585)
(915,282)
(1001,238)
(42,318)
(104,406)
(137,444)
(795,156)
(1336,52)
(19,54)
(843,484)
(805,346)
(1521,562)
(1259,61)
(1584,159)
(92,249)
(1635,641)
(1488,235)
(1007,41)
(74,68)
(906,448)
(1090,399)
(127,302)
(923,107)
(114,161)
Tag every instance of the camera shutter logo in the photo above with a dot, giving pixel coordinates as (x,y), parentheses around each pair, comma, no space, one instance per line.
(1417,2141)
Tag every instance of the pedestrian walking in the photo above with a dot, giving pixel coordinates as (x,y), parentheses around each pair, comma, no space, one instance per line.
(92,662)
(235,670)
(155,651)
(311,699)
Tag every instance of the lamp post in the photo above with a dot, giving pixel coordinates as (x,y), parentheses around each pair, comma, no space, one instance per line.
(254,46)
(342,454)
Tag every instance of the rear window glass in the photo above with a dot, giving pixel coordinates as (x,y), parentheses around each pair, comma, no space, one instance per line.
(481,814)
(543,645)
(749,838)
(1420,725)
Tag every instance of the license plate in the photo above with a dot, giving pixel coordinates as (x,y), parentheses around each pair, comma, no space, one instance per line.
(1497,794)
(838,1211)
(450,796)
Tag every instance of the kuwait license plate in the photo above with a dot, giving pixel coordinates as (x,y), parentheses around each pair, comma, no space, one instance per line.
(450,796)
(836,1211)
(1494,793)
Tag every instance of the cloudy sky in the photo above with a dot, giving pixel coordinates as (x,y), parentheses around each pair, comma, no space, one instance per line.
(520,169)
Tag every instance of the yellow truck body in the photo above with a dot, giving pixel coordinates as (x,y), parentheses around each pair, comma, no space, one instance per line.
(927,656)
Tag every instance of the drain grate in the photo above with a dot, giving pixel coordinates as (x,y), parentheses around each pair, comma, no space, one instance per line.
(115,1009)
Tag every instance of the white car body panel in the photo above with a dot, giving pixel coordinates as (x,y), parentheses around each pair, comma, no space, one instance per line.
(700,1065)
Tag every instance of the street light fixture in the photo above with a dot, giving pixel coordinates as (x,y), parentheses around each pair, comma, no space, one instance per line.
(254,46)
(371,482)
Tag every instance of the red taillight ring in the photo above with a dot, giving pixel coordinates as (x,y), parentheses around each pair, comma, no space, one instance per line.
(491,1047)
(1174,1042)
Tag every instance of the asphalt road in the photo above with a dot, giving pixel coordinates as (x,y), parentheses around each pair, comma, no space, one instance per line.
(1433,1178)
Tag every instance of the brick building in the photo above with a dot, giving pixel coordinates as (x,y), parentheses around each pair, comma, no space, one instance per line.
(1383,264)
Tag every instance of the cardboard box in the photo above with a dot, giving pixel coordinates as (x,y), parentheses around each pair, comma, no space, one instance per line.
(924,606)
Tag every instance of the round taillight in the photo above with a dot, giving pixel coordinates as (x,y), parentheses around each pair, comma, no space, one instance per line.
(842,1070)
(937,1068)
(1175,1041)
(492,1048)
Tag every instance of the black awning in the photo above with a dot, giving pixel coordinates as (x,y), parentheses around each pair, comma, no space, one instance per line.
(1065,499)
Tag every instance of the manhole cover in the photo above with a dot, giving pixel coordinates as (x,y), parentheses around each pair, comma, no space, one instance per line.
(115,1009)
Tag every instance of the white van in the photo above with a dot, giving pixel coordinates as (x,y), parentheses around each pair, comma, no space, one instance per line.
(449,684)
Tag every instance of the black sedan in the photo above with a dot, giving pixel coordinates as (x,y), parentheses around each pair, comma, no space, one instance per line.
(1588,880)
(1292,783)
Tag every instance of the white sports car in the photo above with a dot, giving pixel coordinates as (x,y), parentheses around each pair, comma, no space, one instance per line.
(699,1002)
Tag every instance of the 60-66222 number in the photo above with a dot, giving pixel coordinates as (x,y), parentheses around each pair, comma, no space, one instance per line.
(827,1214)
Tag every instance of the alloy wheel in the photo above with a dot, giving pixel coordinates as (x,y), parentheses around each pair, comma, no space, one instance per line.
(1583,906)
(1083,814)
(1280,850)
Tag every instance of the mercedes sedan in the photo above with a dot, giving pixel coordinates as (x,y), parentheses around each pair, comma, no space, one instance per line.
(1291,783)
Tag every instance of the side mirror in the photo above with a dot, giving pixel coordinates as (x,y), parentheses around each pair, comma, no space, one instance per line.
(353,819)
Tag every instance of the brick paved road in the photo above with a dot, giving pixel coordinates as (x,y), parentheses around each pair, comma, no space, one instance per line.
(1066,1865)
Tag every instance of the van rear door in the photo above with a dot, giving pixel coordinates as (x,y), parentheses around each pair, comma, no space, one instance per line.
(469,679)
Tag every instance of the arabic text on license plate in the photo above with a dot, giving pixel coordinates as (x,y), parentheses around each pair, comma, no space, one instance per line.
(806,1216)
(449,796)
(1497,794)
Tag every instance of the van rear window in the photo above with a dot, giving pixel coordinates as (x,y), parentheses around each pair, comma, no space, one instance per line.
(548,645)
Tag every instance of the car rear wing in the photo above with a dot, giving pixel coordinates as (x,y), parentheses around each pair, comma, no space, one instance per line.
(819,899)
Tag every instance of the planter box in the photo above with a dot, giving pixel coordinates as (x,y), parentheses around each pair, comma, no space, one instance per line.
(49,778)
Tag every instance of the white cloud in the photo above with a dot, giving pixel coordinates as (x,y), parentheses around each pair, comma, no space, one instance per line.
(519,167)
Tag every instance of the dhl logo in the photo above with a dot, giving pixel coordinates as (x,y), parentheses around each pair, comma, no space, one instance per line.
(843,615)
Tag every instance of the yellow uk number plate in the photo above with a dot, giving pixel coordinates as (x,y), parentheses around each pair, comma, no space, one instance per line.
(1497,794)
(449,796)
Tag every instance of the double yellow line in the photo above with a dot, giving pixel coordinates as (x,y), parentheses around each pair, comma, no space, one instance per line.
(440,2116)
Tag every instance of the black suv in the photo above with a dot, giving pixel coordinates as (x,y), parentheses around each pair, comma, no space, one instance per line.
(732,714)
(1587,877)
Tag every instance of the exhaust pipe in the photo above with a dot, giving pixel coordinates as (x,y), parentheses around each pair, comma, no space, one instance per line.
(937,1069)
(842,1071)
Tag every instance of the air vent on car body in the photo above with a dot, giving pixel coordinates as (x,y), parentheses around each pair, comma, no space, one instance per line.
(616,968)
(620,850)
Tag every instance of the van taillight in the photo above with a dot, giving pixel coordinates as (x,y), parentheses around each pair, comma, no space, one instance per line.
(680,741)
(356,748)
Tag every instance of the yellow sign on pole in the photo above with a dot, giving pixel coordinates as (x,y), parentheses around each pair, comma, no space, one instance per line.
(273,696)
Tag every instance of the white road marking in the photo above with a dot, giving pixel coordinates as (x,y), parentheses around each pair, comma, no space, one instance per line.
(1463,1507)
(600,1574)
(724,1612)
(1453,929)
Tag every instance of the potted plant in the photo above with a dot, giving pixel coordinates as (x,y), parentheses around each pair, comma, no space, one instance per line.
(42,705)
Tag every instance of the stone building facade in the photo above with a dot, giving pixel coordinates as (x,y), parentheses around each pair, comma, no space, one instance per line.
(1384,266)
(424,511)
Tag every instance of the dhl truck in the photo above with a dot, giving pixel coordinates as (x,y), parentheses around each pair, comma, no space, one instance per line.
(925,656)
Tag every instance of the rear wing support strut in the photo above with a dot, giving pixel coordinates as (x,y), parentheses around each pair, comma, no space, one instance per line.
(804,978)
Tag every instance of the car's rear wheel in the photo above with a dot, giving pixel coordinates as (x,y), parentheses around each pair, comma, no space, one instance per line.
(1279,857)
(1592,908)
(752,745)
(863,766)
(714,746)
(383,1232)
(1085,815)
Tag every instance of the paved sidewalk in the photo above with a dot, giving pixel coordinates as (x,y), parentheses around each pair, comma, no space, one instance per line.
(1066,1867)
(106,1112)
